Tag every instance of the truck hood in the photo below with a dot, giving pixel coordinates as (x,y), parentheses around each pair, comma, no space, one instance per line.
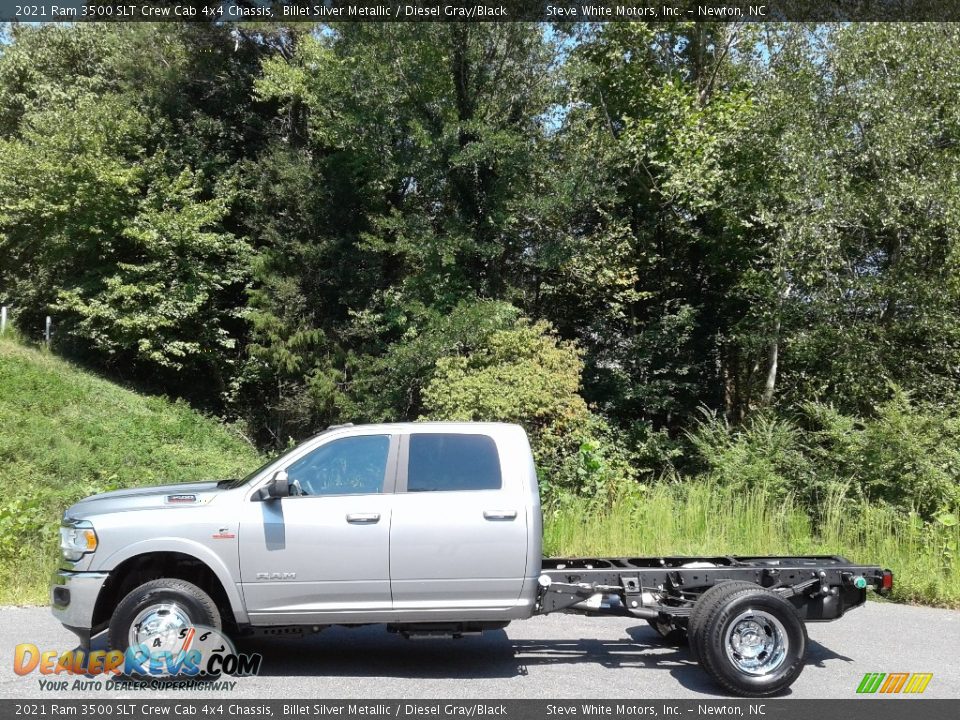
(179,495)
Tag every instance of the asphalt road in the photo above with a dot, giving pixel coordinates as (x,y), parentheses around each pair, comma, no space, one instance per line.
(559,656)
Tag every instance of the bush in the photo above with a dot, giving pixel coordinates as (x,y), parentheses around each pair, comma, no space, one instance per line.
(390,386)
(526,375)
(764,453)
(907,456)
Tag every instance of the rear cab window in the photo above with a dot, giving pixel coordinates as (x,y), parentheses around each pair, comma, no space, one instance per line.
(444,462)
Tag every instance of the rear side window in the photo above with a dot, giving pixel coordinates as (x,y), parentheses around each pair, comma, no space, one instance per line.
(440,461)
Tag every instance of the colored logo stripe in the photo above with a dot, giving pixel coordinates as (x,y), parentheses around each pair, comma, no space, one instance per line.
(894,683)
(918,682)
(870,682)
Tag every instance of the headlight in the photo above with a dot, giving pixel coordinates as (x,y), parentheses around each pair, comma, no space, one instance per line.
(77,539)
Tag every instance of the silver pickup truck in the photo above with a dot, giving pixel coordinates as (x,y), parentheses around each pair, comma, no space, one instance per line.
(429,528)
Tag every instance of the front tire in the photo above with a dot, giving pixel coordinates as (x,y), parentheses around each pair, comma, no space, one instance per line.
(752,641)
(156,612)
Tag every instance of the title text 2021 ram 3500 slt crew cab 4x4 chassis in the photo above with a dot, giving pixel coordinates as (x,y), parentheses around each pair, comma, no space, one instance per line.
(430,528)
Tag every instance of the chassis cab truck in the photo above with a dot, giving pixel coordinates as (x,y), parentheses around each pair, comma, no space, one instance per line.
(428,528)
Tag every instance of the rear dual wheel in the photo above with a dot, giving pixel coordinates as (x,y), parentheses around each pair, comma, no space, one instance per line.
(748,638)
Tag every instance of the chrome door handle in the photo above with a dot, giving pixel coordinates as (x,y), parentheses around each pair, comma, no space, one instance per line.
(363,518)
(500,514)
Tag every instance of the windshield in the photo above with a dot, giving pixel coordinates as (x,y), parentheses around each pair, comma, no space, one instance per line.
(237,482)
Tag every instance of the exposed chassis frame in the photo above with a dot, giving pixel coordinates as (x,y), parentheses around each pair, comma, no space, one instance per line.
(664,589)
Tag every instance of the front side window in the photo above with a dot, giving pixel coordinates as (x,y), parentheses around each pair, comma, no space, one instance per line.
(348,466)
(441,461)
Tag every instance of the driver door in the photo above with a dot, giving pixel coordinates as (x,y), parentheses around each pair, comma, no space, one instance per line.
(323,554)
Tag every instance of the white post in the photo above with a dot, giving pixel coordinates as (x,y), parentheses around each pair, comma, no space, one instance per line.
(47,331)
(3,319)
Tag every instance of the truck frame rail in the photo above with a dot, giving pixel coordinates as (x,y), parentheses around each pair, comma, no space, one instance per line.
(665,589)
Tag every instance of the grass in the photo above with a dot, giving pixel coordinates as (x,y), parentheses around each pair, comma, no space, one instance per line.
(65,434)
(699,518)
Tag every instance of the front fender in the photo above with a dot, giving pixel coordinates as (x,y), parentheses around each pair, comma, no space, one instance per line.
(185,547)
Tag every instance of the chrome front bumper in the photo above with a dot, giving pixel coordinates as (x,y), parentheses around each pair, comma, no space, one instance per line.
(73,597)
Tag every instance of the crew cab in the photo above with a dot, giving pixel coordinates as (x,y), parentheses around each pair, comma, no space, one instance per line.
(429,528)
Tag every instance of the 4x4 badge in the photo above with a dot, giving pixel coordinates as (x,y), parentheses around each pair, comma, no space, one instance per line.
(175,499)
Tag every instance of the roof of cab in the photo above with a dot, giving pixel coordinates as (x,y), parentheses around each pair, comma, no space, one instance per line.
(432,425)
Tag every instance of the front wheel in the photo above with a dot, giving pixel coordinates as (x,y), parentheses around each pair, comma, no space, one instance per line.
(752,642)
(160,615)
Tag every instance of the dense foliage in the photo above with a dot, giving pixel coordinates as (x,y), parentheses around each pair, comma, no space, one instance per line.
(726,250)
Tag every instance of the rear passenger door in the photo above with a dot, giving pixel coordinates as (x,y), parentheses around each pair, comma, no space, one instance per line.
(458,539)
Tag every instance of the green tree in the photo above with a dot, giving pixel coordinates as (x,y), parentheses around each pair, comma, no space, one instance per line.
(159,304)
(396,191)
(68,184)
(119,147)
(872,199)
(649,249)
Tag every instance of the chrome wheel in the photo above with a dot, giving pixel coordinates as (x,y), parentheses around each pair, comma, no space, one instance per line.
(756,642)
(160,627)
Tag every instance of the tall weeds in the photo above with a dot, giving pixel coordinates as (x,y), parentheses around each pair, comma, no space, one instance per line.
(701,518)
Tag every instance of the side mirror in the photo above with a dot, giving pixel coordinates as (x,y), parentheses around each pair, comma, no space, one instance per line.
(278,487)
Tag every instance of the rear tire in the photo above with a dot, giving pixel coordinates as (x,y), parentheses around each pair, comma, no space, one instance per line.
(705,603)
(752,641)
